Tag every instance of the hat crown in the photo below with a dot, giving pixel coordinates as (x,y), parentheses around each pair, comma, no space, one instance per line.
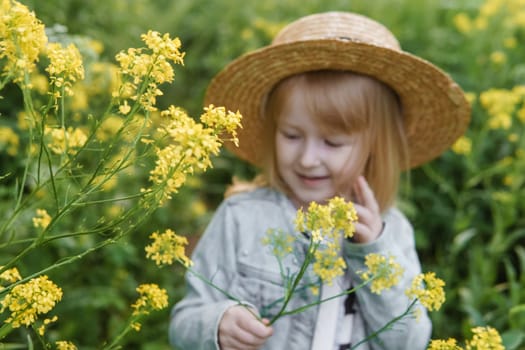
(337,26)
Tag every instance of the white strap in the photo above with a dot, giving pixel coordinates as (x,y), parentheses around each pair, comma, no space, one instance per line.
(325,328)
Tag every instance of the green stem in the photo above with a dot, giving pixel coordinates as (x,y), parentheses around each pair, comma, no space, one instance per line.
(289,292)
(387,326)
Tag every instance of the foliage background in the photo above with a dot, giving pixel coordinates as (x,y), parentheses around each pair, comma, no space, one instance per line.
(467,209)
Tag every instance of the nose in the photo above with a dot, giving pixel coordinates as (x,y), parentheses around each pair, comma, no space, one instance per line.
(310,155)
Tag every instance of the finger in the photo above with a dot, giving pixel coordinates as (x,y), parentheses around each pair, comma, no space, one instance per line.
(248,340)
(258,329)
(366,195)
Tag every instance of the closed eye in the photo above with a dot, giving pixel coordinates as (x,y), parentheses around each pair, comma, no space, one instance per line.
(333,144)
(289,135)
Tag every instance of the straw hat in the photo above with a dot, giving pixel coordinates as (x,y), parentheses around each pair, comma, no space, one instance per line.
(434,107)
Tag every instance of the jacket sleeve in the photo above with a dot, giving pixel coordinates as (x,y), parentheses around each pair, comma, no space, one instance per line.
(194,320)
(397,240)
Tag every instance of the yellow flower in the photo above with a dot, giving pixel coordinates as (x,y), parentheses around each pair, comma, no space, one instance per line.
(192,145)
(62,140)
(328,265)
(219,119)
(500,105)
(449,344)
(428,289)
(47,321)
(65,67)
(10,276)
(42,219)
(65,345)
(151,298)
(124,108)
(22,38)
(335,218)
(280,242)
(9,140)
(498,57)
(384,272)
(463,23)
(463,145)
(500,121)
(26,301)
(142,70)
(485,338)
(168,247)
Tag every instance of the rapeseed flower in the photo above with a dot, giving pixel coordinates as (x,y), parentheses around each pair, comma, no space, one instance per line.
(9,140)
(463,146)
(42,219)
(152,297)
(449,344)
(65,345)
(384,272)
(22,38)
(191,146)
(328,265)
(428,289)
(220,119)
(26,301)
(42,329)
(63,141)
(485,338)
(143,69)
(10,275)
(65,67)
(280,242)
(168,247)
(335,218)
(327,224)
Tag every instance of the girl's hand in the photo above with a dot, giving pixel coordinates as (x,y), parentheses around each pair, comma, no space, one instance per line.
(240,330)
(370,223)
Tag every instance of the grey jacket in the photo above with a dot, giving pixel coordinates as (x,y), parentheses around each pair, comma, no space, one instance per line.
(231,254)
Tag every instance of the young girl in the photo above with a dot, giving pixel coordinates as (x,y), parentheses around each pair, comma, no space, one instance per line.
(332,108)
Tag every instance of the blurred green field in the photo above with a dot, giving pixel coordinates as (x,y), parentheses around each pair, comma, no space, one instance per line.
(467,207)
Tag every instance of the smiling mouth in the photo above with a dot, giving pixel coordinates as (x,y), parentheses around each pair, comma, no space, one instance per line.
(312,179)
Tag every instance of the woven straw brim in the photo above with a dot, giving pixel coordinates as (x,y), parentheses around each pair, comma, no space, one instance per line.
(434,107)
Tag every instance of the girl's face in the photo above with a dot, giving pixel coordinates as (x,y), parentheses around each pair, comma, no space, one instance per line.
(314,164)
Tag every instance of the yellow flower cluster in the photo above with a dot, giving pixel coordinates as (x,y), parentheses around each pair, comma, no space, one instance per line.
(152,297)
(220,119)
(168,247)
(143,69)
(26,301)
(491,9)
(463,145)
(501,104)
(65,345)
(62,141)
(65,67)
(328,265)
(191,145)
(484,338)
(326,224)
(449,344)
(384,272)
(428,289)
(10,275)
(22,38)
(42,219)
(9,141)
(280,241)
